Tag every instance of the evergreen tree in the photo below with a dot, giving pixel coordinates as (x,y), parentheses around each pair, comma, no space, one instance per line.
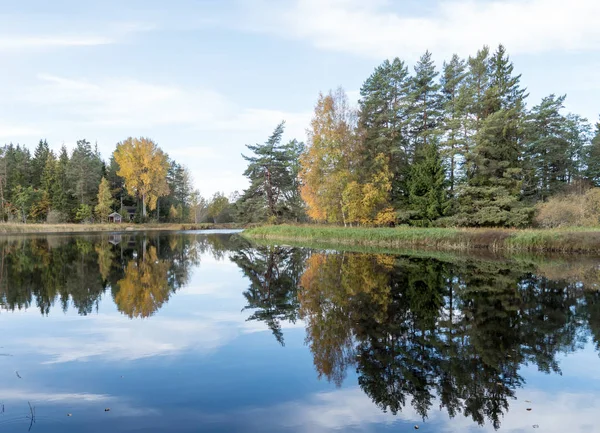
(592,160)
(18,168)
(454,109)
(492,195)
(554,147)
(383,123)
(426,109)
(117,184)
(476,86)
(271,171)
(40,155)
(47,187)
(428,196)
(61,197)
(84,173)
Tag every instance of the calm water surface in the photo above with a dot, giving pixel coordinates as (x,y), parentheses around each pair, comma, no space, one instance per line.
(205,332)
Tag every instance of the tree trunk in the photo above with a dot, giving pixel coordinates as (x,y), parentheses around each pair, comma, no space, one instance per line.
(144,206)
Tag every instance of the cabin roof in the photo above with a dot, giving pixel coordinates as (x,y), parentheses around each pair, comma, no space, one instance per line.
(115,214)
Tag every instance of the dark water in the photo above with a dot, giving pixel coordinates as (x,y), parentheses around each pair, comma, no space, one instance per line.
(196,332)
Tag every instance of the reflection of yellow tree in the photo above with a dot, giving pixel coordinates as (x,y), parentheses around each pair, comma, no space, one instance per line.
(145,287)
(105,259)
(334,287)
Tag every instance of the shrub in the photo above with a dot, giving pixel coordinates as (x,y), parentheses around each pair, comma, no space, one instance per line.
(56,217)
(570,210)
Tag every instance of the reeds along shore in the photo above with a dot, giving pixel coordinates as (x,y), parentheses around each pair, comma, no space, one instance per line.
(555,240)
(13,228)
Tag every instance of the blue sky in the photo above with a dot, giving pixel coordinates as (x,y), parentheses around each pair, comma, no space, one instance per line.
(205,77)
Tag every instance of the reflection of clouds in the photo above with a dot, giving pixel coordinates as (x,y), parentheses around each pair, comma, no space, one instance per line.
(84,397)
(125,408)
(117,338)
(351,409)
(554,412)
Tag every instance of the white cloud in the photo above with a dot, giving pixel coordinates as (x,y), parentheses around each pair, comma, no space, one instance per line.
(382,29)
(199,127)
(8,43)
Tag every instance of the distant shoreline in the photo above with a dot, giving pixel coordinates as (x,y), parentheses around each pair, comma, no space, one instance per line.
(575,240)
(11,228)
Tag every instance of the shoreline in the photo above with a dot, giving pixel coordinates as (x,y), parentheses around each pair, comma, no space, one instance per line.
(575,240)
(25,229)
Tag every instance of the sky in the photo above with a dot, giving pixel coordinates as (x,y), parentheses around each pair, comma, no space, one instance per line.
(203,78)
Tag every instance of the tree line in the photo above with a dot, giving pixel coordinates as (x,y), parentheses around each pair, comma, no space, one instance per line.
(456,146)
(79,186)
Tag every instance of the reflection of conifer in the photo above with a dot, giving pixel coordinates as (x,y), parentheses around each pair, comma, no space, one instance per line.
(273,273)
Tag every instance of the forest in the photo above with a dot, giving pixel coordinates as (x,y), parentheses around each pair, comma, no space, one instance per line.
(138,181)
(460,146)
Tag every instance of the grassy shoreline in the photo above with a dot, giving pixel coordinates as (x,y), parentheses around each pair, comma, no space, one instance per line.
(9,228)
(494,240)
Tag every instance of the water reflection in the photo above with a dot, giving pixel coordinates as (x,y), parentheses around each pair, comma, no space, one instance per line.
(416,333)
(141,272)
(431,333)
(274,274)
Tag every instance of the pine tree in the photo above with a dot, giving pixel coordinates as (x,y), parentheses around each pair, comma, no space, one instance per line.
(271,174)
(383,123)
(473,94)
(454,109)
(426,109)
(428,197)
(554,147)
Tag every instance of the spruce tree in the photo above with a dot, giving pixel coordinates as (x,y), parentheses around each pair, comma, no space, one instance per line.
(40,155)
(492,195)
(428,197)
(61,198)
(84,172)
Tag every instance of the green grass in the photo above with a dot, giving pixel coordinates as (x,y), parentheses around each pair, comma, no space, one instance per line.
(495,240)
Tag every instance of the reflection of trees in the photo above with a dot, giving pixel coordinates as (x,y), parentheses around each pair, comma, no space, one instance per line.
(421,330)
(145,288)
(78,270)
(273,273)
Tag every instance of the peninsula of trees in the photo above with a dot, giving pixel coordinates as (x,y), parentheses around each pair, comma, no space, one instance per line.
(456,147)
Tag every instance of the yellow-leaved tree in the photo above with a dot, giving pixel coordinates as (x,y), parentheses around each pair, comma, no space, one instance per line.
(334,187)
(327,165)
(144,167)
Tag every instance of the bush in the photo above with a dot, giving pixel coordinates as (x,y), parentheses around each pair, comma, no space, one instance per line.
(570,210)
(56,217)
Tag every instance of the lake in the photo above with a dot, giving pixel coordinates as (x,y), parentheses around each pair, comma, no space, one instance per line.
(193,332)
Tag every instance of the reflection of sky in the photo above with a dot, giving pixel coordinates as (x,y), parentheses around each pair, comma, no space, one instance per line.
(197,365)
